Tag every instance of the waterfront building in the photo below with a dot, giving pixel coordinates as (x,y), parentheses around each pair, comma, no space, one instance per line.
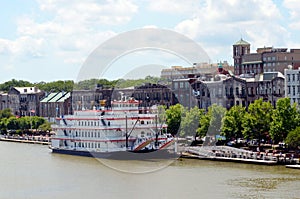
(227,91)
(292,84)
(154,94)
(23,101)
(56,104)
(203,70)
(266,59)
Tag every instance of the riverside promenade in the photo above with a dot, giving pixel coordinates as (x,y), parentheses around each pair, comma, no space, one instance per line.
(231,154)
(29,140)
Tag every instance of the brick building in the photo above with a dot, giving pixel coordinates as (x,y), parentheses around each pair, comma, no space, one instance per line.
(266,59)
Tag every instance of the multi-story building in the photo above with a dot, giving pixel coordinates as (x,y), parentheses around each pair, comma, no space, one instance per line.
(56,104)
(203,70)
(292,84)
(266,59)
(23,101)
(228,91)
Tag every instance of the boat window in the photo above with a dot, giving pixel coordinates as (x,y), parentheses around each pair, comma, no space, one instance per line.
(142,122)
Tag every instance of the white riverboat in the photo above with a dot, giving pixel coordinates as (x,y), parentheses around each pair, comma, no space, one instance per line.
(125,131)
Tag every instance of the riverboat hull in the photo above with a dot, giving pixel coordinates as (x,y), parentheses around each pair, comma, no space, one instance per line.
(121,155)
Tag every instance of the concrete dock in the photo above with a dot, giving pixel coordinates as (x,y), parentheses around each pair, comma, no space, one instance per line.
(24,141)
(231,154)
(293,166)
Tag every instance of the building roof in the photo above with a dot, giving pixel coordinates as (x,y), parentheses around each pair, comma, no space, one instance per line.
(27,90)
(66,96)
(49,97)
(241,42)
(56,97)
(268,76)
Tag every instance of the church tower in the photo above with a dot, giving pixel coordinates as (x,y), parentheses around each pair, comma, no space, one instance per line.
(240,48)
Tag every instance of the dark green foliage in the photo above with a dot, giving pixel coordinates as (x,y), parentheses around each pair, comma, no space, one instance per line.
(5,113)
(56,86)
(293,138)
(233,122)
(14,83)
(285,118)
(191,121)
(256,122)
(173,115)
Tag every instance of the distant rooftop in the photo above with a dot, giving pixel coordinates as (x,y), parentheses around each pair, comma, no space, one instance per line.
(241,42)
(27,90)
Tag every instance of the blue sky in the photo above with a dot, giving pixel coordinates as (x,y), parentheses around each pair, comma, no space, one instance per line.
(48,40)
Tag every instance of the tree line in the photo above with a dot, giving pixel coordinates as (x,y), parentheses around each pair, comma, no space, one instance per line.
(69,85)
(11,123)
(260,121)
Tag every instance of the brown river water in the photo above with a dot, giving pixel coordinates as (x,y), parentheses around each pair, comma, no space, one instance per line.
(32,171)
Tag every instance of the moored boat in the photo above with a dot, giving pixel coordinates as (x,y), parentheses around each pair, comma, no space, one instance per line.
(123,131)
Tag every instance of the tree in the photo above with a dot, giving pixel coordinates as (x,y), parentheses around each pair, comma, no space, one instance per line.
(217,113)
(24,123)
(14,83)
(285,118)
(257,120)
(36,122)
(191,122)
(46,127)
(12,123)
(211,123)
(293,138)
(233,122)
(174,114)
(5,113)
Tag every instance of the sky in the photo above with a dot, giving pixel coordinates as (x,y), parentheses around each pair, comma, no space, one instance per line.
(49,40)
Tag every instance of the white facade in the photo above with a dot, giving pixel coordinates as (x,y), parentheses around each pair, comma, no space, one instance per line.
(292,85)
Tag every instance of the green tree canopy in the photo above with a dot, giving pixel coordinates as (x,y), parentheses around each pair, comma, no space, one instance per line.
(233,122)
(14,83)
(211,122)
(5,113)
(174,114)
(285,118)
(257,120)
(293,138)
(191,122)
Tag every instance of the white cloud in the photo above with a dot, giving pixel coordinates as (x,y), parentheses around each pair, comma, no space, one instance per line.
(71,28)
(293,7)
(224,22)
(187,7)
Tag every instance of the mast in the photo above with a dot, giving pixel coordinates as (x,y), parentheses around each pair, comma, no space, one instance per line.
(156,132)
(126,132)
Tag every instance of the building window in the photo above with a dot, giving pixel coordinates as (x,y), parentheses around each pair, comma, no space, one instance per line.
(288,78)
(289,90)
(293,77)
(294,90)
